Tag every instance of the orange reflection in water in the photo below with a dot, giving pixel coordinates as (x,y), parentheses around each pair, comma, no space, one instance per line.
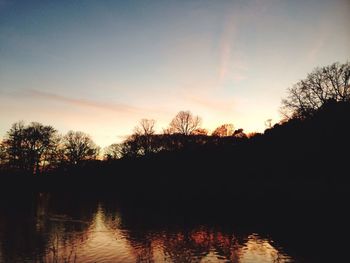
(107,239)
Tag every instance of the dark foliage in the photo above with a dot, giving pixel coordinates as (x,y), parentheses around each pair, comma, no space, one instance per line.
(301,158)
(310,94)
(298,159)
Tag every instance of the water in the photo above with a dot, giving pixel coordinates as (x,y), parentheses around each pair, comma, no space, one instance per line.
(65,228)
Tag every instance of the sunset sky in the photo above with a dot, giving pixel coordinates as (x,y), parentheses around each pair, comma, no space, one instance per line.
(101,66)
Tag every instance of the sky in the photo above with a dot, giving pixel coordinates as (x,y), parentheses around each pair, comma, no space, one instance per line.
(101,66)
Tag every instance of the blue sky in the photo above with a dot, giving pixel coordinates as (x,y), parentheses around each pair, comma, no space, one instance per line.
(100,66)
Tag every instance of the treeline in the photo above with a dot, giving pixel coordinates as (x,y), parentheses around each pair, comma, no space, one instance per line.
(183,133)
(37,149)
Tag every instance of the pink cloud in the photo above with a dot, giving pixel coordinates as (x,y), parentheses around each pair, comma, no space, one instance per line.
(212,104)
(231,65)
(118,107)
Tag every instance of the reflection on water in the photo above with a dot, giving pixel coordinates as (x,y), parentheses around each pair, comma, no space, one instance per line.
(48,229)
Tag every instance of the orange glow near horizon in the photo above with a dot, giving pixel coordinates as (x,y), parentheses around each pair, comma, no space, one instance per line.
(102,66)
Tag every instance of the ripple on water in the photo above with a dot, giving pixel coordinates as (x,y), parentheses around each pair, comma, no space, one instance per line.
(103,235)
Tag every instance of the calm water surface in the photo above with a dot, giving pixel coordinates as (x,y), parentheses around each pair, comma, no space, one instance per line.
(48,228)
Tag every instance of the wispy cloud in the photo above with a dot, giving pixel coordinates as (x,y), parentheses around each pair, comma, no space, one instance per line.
(211,104)
(231,65)
(226,47)
(317,47)
(117,107)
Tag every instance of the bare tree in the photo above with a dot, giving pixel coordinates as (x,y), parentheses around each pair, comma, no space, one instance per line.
(224,130)
(323,84)
(54,156)
(29,147)
(185,123)
(79,147)
(14,143)
(41,141)
(145,127)
(113,151)
(143,136)
(130,147)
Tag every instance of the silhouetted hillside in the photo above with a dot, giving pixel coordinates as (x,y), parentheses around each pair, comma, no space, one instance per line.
(298,159)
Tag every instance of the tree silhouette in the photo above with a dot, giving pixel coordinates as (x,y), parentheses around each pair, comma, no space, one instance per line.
(185,123)
(79,147)
(239,134)
(130,147)
(3,154)
(113,151)
(224,130)
(42,142)
(14,142)
(30,148)
(144,132)
(323,84)
(145,127)
(54,157)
